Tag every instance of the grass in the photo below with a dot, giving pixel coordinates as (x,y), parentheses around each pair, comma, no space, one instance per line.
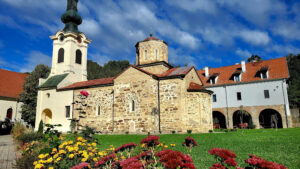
(282,146)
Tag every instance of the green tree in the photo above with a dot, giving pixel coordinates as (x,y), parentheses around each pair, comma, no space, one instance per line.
(29,95)
(110,69)
(254,58)
(294,80)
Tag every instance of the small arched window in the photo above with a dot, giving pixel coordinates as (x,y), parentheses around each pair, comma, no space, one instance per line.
(61,54)
(132,105)
(78,56)
(156,54)
(145,54)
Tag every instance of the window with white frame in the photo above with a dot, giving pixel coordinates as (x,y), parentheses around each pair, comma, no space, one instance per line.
(264,74)
(237,77)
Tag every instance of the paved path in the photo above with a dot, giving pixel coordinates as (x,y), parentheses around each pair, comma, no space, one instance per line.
(7,153)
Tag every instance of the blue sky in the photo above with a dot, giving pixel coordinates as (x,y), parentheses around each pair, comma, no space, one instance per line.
(199,32)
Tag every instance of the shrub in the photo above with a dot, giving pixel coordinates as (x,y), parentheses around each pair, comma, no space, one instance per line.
(88,133)
(27,160)
(189,131)
(190,142)
(41,127)
(150,141)
(30,136)
(18,129)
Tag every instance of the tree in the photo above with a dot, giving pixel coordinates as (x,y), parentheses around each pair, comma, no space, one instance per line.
(110,69)
(29,96)
(254,58)
(294,80)
(242,113)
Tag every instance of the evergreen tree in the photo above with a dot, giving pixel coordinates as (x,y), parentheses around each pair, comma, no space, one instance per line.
(294,81)
(110,69)
(29,95)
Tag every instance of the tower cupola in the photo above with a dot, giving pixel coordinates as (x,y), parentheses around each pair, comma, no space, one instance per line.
(151,50)
(71,18)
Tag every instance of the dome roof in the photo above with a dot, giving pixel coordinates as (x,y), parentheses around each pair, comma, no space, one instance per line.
(151,38)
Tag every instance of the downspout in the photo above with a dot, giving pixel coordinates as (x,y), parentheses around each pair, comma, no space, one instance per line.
(158,105)
(227,107)
(286,116)
(16,110)
(112,114)
(73,106)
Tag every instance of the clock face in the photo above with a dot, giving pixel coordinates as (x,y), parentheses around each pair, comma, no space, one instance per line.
(61,38)
(79,39)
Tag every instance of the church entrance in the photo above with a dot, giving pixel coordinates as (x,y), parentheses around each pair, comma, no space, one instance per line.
(270,118)
(47,116)
(219,120)
(9,113)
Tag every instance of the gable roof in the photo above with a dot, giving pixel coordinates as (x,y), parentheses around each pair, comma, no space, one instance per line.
(53,81)
(11,83)
(177,71)
(195,87)
(90,83)
(277,69)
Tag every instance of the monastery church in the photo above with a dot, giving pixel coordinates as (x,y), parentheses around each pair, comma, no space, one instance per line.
(150,96)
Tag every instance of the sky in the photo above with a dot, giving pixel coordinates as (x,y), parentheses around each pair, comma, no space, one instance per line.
(201,33)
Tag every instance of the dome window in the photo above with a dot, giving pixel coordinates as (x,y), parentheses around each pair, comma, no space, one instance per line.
(78,56)
(61,54)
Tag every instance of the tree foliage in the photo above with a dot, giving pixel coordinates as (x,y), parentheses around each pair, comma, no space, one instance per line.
(294,81)
(110,69)
(29,95)
(254,58)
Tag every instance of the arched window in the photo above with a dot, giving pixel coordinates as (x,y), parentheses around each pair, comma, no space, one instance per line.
(145,54)
(132,106)
(78,56)
(156,54)
(61,54)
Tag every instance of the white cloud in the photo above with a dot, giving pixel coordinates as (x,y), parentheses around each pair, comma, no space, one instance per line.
(287,29)
(35,58)
(100,58)
(255,37)
(284,49)
(207,6)
(90,27)
(3,62)
(243,53)
(177,57)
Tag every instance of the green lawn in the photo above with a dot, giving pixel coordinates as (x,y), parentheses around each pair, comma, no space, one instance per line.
(282,146)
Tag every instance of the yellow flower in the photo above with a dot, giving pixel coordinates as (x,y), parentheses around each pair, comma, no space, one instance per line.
(122,157)
(79,139)
(90,148)
(62,152)
(71,156)
(166,146)
(95,159)
(70,142)
(94,144)
(143,145)
(76,148)
(41,156)
(55,155)
(49,160)
(84,159)
(172,145)
(58,159)
(51,168)
(91,154)
(61,146)
(38,166)
(26,149)
(35,163)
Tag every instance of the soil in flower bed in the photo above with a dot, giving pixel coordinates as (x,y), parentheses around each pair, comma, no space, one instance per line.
(282,146)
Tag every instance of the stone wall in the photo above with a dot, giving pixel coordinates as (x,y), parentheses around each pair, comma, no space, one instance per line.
(151,47)
(157,69)
(295,113)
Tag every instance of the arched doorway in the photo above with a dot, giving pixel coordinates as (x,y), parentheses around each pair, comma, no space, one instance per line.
(47,116)
(241,119)
(268,118)
(9,113)
(219,120)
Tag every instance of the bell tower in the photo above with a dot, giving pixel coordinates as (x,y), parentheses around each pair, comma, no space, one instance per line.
(70,46)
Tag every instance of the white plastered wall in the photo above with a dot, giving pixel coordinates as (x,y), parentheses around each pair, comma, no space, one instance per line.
(5,105)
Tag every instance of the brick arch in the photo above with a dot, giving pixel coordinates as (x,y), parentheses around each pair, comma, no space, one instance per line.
(238,119)
(220,120)
(265,118)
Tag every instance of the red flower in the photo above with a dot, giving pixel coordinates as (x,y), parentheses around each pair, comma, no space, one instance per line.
(231,161)
(131,163)
(150,141)
(105,160)
(217,166)
(189,141)
(125,146)
(258,162)
(173,159)
(84,93)
(222,153)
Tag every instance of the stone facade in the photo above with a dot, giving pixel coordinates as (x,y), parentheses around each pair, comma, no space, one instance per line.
(133,105)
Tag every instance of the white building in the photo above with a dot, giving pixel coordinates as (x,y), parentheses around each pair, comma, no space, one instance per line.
(11,85)
(258,87)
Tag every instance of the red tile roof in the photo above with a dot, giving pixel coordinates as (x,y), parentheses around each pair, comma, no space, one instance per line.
(11,83)
(195,86)
(277,68)
(177,71)
(95,82)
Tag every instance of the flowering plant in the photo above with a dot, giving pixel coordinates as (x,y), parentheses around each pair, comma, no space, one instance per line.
(84,93)
(190,142)
(224,158)
(257,162)
(175,159)
(150,141)
(127,146)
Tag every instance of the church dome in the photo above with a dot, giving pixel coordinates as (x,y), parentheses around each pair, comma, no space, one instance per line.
(151,38)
